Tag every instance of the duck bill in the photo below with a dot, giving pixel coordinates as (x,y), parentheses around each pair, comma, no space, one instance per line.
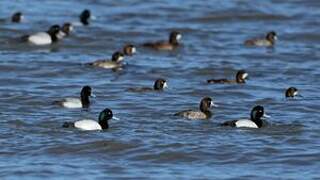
(93,95)
(165,85)
(266,116)
(275,38)
(213,105)
(116,118)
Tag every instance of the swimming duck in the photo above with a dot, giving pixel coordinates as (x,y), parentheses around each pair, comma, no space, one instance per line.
(173,42)
(83,102)
(129,50)
(85,16)
(91,125)
(66,29)
(241,77)
(159,85)
(269,40)
(115,62)
(17,17)
(204,112)
(255,121)
(292,92)
(44,38)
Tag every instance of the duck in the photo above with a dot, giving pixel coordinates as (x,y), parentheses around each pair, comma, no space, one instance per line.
(241,78)
(17,17)
(205,104)
(85,16)
(268,41)
(65,30)
(129,50)
(43,38)
(83,102)
(255,121)
(114,63)
(159,85)
(169,45)
(292,92)
(92,125)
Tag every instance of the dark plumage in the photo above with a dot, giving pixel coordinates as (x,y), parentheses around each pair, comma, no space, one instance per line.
(159,85)
(269,40)
(241,77)
(171,44)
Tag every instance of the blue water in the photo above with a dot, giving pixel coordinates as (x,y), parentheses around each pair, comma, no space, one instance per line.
(148,142)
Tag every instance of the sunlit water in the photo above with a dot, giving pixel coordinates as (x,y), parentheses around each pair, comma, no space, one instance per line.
(148,142)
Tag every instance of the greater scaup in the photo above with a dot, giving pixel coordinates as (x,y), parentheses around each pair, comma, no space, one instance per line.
(269,40)
(204,112)
(159,85)
(91,125)
(17,17)
(43,38)
(241,77)
(255,121)
(171,44)
(83,102)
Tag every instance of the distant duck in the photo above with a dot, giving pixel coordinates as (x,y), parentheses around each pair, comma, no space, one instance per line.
(85,16)
(204,113)
(241,78)
(17,17)
(171,44)
(255,121)
(91,125)
(129,50)
(292,92)
(269,40)
(44,38)
(83,102)
(115,62)
(66,29)
(159,85)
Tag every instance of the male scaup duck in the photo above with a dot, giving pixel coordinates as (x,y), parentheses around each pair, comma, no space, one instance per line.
(114,63)
(269,40)
(241,77)
(159,85)
(173,42)
(43,38)
(17,17)
(129,50)
(83,102)
(91,125)
(204,112)
(291,92)
(255,121)
(65,31)
(85,16)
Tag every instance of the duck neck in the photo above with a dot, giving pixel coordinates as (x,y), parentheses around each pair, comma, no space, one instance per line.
(84,21)
(85,101)
(104,124)
(173,41)
(257,121)
(53,36)
(240,81)
(205,110)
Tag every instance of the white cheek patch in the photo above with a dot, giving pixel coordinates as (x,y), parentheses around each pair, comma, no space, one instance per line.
(120,58)
(165,85)
(93,17)
(245,75)
(179,36)
(275,37)
(71,28)
(134,50)
(295,93)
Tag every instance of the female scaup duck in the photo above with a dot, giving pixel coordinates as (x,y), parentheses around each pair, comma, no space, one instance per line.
(269,40)
(17,17)
(292,92)
(255,121)
(85,16)
(159,85)
(83,102)
(65,31)
(91,125)
(204,112)
(173,42)
(129,50)
(241,77)
(114,63)
(44,38)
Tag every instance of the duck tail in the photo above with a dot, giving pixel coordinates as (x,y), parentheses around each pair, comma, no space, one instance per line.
(68,125)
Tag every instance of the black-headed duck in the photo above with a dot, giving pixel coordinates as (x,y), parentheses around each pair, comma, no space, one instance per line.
(171,44)
(269,40)
(241,77)
(44,38)
(204,113)
(159,85)
(114,63)
(83,102)
(292,92)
